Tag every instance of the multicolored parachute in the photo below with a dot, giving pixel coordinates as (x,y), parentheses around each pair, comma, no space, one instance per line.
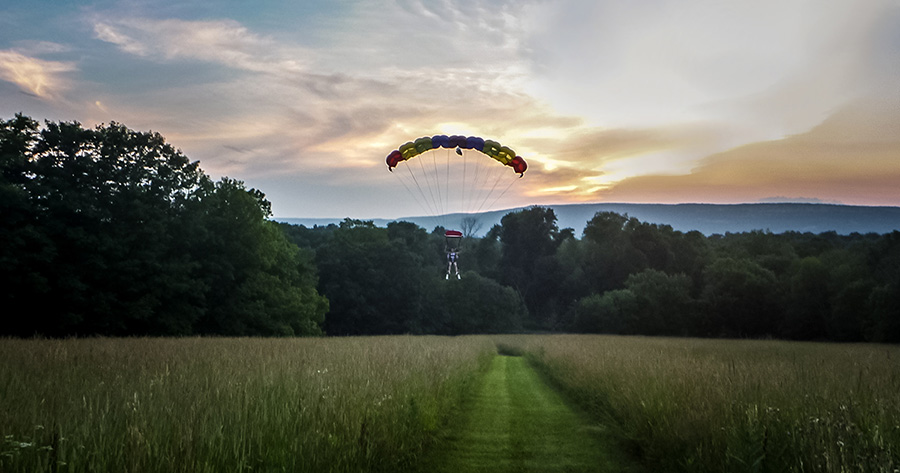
(502,154)
(450,186)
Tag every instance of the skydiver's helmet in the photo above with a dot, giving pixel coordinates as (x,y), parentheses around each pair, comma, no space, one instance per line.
(453,238)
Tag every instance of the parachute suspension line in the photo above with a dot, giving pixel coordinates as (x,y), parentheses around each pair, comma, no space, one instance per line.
(474,188)
(447,180)
(494,178)
(511,182)
(427,177)
(437,185)
(424,201)
(462,193)
(485,176)
(419,201)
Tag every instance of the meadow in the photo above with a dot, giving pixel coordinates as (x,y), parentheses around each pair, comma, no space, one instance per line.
(381,403)
(198,404)
(692,405)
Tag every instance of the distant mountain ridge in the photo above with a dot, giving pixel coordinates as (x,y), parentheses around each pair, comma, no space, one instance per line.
(706,218)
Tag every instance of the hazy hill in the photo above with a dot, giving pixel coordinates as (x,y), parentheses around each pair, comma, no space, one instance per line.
(706,218)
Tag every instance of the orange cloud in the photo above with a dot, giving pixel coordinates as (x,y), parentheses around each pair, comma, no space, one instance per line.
(852,157)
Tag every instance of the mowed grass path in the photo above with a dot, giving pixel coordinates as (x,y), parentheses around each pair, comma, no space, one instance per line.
(515,422)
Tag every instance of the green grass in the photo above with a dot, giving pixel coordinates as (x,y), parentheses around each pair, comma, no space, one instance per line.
(515,422)
(687,405)
(195,405)
(383,404)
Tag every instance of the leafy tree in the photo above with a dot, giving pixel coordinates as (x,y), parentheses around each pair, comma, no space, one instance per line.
(884,324)
(609,255)
(482,255)
(376,285)
(310,238)
(663,304)
(850,311)
(476,304)
(258,282)
(99,203)
(743,296)
(807,305)
(606,313)
(116,232)
(529,240)
(766,249)
(24,247)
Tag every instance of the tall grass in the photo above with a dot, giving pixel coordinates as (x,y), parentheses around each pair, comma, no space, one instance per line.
(212,405)
(687,405)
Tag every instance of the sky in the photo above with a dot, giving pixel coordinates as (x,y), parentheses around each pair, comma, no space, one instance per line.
(664,101)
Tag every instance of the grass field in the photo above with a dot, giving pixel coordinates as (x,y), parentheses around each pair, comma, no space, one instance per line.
(514,422)
(377,404)
(194,405)
(690,405)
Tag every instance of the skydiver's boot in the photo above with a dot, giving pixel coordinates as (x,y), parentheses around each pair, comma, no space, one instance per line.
(447,276)
(458,276)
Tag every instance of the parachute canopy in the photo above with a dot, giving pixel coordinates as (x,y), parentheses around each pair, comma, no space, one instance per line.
(450,186)
(490,148)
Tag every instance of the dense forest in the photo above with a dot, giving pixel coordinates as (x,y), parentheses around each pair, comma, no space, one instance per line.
(108,231)
(622,276)
(114,232)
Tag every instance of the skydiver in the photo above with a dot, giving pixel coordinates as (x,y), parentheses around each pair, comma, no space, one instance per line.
(452,257)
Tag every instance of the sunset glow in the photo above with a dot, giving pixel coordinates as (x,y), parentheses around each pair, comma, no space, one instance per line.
(688,101)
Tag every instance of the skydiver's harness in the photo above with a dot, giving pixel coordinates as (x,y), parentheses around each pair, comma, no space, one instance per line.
(451,256)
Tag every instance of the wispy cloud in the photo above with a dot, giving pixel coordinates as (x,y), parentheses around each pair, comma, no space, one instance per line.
(226,42)
(303,109)
(37,77)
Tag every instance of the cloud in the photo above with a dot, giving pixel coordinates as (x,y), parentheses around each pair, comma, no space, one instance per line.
(769,67)
(226,42)
(606,100)
(38,77)
(851,157)
(37,48)
(298,110)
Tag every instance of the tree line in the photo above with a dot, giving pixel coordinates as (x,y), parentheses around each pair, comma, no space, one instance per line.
(114,232)
(622,276)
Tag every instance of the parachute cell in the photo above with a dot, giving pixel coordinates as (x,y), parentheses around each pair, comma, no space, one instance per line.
(491,148)
(457,141)
(474,142)
(440,141)
(505,155)
(423,144)
(519,165)
(407,150)
(394,159)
